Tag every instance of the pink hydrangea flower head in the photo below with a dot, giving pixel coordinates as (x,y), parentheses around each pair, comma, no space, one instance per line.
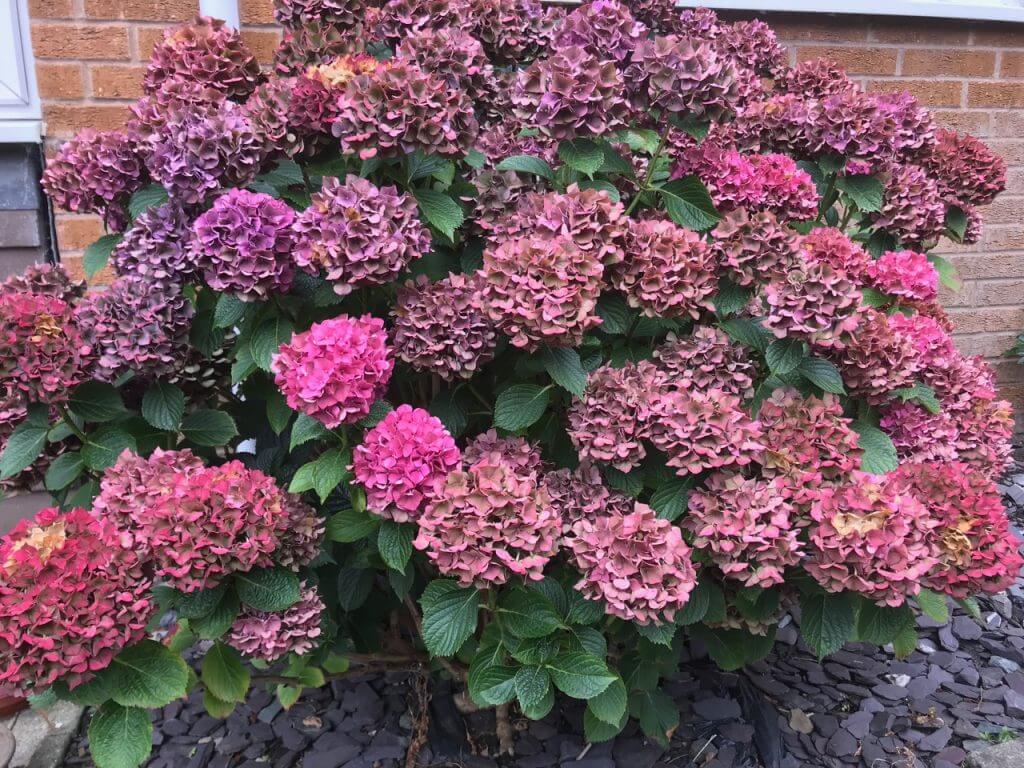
(974,227)
(68,602)
(965,168)
(489,522)
(497,193)
(636,563)
(207,52)
(439,328)
(932,342)
(336,370)
(699,431)
(401,107)
(871,537)
(270,636)
(814,301)
(155,246)
(753,44)
(571,93)
(300,532)
(589,217)
(96,172)
(541,290)
(455,55)
(832,246)
(315,41)
(513,451)
(852,124)
(342,14)
(513,30)
(662,16)
(915,126)
(780,122)
(747,528)
(580,494)
(668,271)
(276,112)
(45,280)
(679,75)
(708,360)
(610,421)
(136,325)
(817,79)
(730,176)
(912,207)
(359,234)
(977,550)
(401,460)
(907,274)
(918,434)
(42,352)
(786,191)
(754,247)
(985,439)
(808,435)
(877,359)
(604,27)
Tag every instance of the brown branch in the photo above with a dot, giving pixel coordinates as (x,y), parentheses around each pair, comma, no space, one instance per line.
(503,730)
(421,724)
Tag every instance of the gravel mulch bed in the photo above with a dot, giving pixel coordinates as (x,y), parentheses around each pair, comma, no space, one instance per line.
(960,691)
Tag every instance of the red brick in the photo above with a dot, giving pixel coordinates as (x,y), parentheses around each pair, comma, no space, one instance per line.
(256,11)
(1001,34)
(1004,209)
(75,233)
(948,61)
(262,42)
(990,319)
(61,41)
(145,10)
(800,28)
(976,123)
(986,345)
(72,262)
(1012,64)
(856,60)
(1005,95)
(116,81)
(998,293)
(931,93)
(1011,150)
(1008,123)
(64,120)
(147,37)
(59,81)
(919,31)
(50,9)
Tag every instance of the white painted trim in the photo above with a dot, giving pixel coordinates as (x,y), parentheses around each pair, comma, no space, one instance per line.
(21,131)
(221,9)
(20,110)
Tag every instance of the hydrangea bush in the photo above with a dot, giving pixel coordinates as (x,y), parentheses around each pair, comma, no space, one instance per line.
(523,344)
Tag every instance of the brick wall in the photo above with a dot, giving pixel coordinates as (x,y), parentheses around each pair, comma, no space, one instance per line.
(90,55)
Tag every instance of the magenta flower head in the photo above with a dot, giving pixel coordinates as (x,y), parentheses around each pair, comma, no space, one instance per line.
(42,352)
(635,562)
(96,173)
(269,636)
(136,325)
(808,435)
(69,603)
(455,55)
(541,290)
(854,125)
(786,191)
(907,274)
(603,27)
(401,460)
(754,46)
(156,246)
(205,52)
(336,370)
(515,451)
(915,127)
(748,528)
(343,14)
(831,246)
(872,537)
(439,328)
(359,234)
(912,207)
(977,552)
(492,521)
(573,92)
(45,280)
(731,177)
(754,247)
(244,244)
(707,360)
(817,79)
(580,494)
(965,168)
(877,359)
(668,271)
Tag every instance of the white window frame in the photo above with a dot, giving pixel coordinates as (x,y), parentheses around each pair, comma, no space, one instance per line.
(21,114)
(975,10)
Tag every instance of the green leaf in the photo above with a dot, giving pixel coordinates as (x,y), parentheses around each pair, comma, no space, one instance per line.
(97,255)
(580,675)
(378,411)
(671,499)
(229,310)
(934,605)
(440,210)
(267,339)
(565,369)
(879,453)
(822,374)
(449,616)
(201,602)
(610,705)
(602,186)
(543,708)
(630,483)
(726,647)
(956,222)
(970,605)
(659,634)
(163,405)
(527,164)
(657,713)
(865,191)
(697,606)
(395,544)
(491,685)
(147,197)
(595,730)
(532,685)
(615,315)
(208,427)
(948,275)
(215,707)
(539,650)
(64,470)
(224,674)
(322,475)
(921,394)
(147,675)
(25,443)
(451,412)
(218,621)
(519,406)
(827,620)
(730,298)
(747,332)
(96,401)
(120,737)
(278,412)
(268,589)
(103,446)
(784,356)
(304,429)
(582,155)
(349,525)
(581,610)
(528,614)
(688,204)
(880,624)
(874,298)
(354,587)
(905,642)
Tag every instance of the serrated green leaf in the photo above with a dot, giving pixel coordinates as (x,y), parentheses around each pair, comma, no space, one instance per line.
(520,406)
(96,401)
(25,443)
(208,427)
(349,525)
(394,541)
(784,356)
(921,394)
(528,614)
(532,685)
(120,737)
(581,610)
(948,275)
(822,374)
(268,589)
(163,405)
(726,647)
(378,411)
(321,475)
(595,730)
(611,704)
(215,707)
(147,197)
(224,674)
(543,708)
(865,191)
(747,332)
(97,255)
(440,210)
(880,624)
(688,203)
(934,605)
(452,413)
(103,446)
(730,298)
(659,634)
(580,675)
(657,713)
(229,310)
(491,685)
(354,587)
(148,675)
(64,470)
(278,413)
(565,369)
(304,429)
(200,602)
(581,155)
(218,621)
(615,314)
(449,616)
(827,620)
(879,453)
(527,164)
(871,297)
(671,499)
(630,483)
(267,339)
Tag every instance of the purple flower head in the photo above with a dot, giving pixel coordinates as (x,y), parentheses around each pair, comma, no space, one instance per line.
(156,246)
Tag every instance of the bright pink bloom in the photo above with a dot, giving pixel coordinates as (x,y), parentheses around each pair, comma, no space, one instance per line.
(786,191)
(907,274)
